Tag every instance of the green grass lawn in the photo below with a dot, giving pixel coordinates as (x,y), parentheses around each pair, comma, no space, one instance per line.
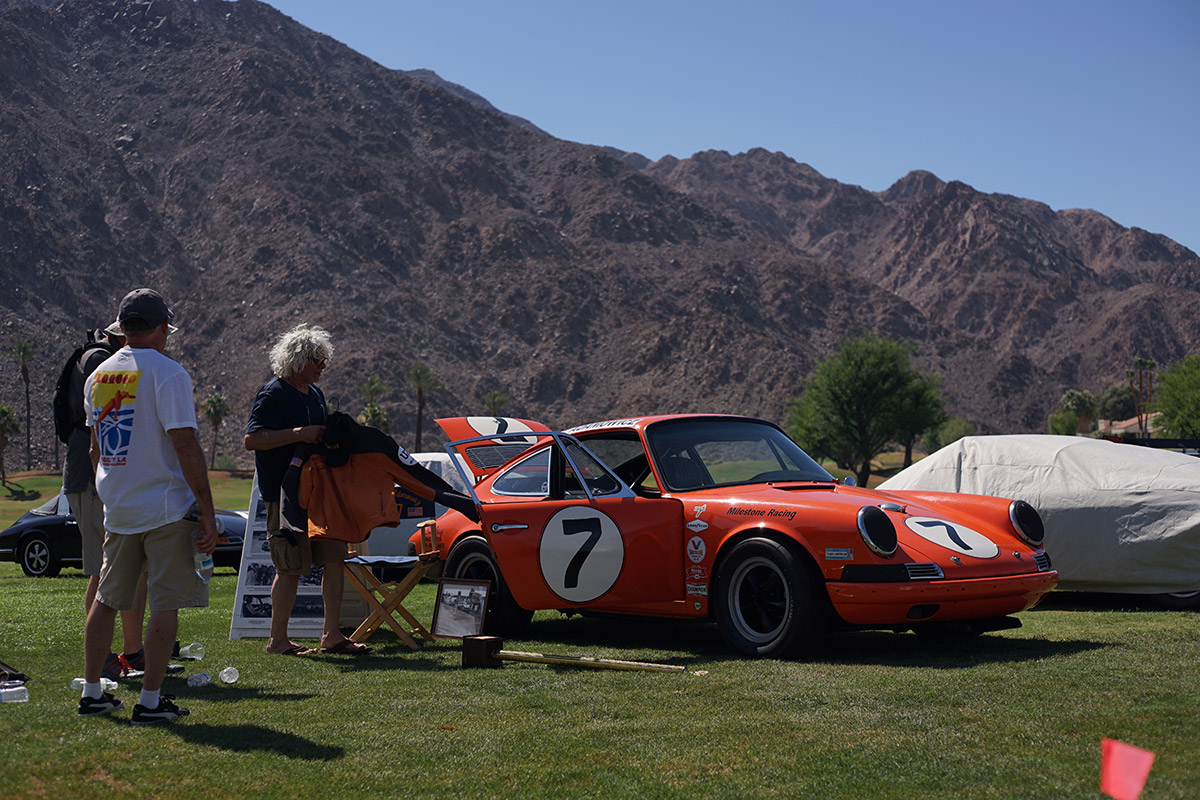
(1019,714)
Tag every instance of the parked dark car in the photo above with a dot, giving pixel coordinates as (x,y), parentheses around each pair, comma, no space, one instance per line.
(46,539)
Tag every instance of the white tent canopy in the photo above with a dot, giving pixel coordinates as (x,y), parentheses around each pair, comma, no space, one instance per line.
(1119,517)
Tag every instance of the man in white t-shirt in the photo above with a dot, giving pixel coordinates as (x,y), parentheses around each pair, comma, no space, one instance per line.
(150,470)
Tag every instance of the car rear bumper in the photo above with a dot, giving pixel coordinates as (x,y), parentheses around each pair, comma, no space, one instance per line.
(915,601)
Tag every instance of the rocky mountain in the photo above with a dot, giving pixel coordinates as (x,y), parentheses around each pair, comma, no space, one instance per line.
(1071,291)
(261,174)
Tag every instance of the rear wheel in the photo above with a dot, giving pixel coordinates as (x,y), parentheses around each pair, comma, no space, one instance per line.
(38,559)
(471,559)
(768,603)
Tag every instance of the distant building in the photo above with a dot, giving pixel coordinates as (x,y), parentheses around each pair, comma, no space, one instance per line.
(1126,428)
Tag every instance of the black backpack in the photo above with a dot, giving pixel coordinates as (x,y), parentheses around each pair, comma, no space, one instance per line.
(65,418)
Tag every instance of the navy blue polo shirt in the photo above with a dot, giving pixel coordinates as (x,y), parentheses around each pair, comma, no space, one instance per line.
(281,406)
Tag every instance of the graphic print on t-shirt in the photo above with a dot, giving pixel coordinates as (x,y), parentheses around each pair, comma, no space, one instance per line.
(114,394)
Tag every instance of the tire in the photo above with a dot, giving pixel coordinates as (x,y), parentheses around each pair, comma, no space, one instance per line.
(472,559)
(1179,601)
(37,557)
(768,603)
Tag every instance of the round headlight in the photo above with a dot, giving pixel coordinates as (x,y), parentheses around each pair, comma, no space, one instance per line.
(877,531)
(1027,522)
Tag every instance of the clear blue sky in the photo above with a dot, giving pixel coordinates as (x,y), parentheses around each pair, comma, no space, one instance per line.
(1076,103)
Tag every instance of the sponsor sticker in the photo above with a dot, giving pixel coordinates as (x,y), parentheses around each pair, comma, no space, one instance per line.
(697,526)
(611,423)
(697,574)
(839,553)
(696,550)
(697,589)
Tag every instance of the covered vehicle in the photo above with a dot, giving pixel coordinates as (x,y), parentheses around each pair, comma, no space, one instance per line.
(46,539)
(725,518)
(1119,517)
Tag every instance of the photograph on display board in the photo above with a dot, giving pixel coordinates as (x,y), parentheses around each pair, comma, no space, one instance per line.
(260,574)
(256,606)
(251,615)
(460,608)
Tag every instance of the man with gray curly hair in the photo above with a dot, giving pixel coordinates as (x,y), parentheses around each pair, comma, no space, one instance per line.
(288,410)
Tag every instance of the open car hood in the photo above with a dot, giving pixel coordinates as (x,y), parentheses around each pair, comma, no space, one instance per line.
(510,438)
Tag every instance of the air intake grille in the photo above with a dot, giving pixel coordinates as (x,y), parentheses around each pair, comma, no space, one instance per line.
(924,572)
(1042,560)
(485,457)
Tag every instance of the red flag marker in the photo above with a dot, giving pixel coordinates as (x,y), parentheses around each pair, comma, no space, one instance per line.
(1123,769)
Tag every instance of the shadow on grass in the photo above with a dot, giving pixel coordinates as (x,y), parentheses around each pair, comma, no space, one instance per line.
(885,648)
(254,738)
(243,739)
(701,643)
(18,493)
(1066,600)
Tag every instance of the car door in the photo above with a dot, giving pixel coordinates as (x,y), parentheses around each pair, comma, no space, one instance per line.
(591,542)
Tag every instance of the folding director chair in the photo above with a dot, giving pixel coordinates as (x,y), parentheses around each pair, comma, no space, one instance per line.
(387,599)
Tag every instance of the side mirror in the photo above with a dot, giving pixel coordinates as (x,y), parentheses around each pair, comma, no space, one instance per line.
(849,480)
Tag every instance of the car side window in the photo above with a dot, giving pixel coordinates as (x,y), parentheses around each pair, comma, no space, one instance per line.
(593,473)
(624,454)
(529,477)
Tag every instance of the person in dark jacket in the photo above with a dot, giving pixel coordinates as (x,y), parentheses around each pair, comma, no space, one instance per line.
(290,410)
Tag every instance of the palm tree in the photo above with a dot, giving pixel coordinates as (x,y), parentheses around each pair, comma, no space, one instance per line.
(1082,404)
(496,400)
(375,417)
(23,351)
(1143,392)
(373,389)
(424,381)
(8,426)
(372,415)
(215,409)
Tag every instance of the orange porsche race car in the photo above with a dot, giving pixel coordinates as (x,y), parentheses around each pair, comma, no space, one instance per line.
(725,518)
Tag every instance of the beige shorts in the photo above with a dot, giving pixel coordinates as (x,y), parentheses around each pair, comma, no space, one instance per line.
(166,555)
(89,516)
(298,559)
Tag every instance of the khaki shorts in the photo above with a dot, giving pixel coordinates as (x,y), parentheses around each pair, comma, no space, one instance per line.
(166,555)
(89,516)
(298,559)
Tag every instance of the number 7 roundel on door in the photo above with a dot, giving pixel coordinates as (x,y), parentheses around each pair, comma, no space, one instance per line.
(581,553)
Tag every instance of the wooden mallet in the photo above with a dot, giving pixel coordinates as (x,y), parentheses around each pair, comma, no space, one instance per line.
(484,651)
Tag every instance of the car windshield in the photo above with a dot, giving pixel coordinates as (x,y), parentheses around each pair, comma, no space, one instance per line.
(699,453)
(48,508)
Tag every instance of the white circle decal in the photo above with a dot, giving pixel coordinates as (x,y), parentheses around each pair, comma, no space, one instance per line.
(953,536)
(488,426)
(581,553)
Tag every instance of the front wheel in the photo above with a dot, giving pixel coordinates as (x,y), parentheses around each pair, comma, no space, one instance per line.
(38,559)
(768,603)
(472,559)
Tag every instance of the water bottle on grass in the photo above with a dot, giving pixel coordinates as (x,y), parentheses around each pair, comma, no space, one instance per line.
(13,692)
(199,679)
(192,652)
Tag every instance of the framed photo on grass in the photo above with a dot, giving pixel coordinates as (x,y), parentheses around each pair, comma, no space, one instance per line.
(460,608)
